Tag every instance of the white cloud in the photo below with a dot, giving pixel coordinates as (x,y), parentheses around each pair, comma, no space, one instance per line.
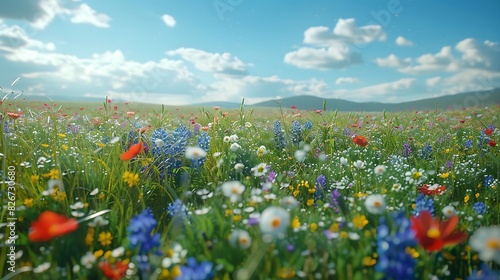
(168,20)
(344,32)
(218,63)
(346,80)
(40,13)
(85,14)
(336,48)
(432,82)
(478,55)
(393,61)
(14,36)
(402,41)
(443,61)
(323,58)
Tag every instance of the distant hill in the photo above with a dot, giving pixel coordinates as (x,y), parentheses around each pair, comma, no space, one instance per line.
(455,101)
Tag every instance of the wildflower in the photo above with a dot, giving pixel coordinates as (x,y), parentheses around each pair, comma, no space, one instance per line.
(296,135)
(234,147)
(434,189)
(289,202)
(427,152)
(274,221)
(233,190)
(449,211)
(279,136)
(88,260)
(240,239)
(423,204)
(479,207)
(42,267)
(105,238)
(468,144)
(375,204)
(407,151)
(195,153)
(34,179)
(262,150)
(310,202)
(300,155)
(360,140)
(28,202)
(416,176)
(130,178)
(359,221)
(394,259)
(433,234)
(192,270)
(259,170)
(53,174)
(50,225)
(486,241)
(114,272)
(344,161)
(359,164)
(492,143)
(239,166)
(177,210)
(133,151)
(320,186)
(379,169)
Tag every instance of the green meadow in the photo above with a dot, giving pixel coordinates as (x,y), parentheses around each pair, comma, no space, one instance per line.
(114,190)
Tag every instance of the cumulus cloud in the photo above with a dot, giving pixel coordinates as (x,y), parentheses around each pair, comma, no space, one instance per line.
(336,48)
(220,63)
(346,80)
(39,13)
(168,20)
(323,58)
(443,61)
(402,41)
(392,61)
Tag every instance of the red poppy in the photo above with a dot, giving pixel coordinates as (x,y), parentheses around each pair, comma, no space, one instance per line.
(132,151)
(50,225)
(433,234)
(488,131)
(14,115)
(492,143)
(360,140)
(432,189)
(114,272)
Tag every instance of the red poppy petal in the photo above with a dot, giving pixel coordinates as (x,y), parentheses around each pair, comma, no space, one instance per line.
(132,151)
(446,228)
(455,238)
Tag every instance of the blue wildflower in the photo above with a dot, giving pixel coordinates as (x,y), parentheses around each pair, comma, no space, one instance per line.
(488,181)
(407,151)
(308,125)
(204,143)
(334,200)
(347,132)
(279,136)
(296,137)
(194,271)
(423,203)
(320,187)
(468,144)
(177,210)
(427,152)
(140,230)
(479,207)
(169,148)
(393,259)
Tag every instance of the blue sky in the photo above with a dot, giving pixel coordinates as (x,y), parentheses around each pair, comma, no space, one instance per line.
(184,52)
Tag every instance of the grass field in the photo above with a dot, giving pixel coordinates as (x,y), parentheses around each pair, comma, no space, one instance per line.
(130,191)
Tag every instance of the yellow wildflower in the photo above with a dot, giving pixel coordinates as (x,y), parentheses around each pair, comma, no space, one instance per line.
(359,221)
(237,218)
(335,227)
(369,261)
(313,227)
(131,178)
(295,222)
(444,175)
(105,238)
(98,253)
(89,238)
(310,202)
(28,202)
(466,198)
(34,179)
(53,174)
(287,273)
(45,145)
(62,135)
